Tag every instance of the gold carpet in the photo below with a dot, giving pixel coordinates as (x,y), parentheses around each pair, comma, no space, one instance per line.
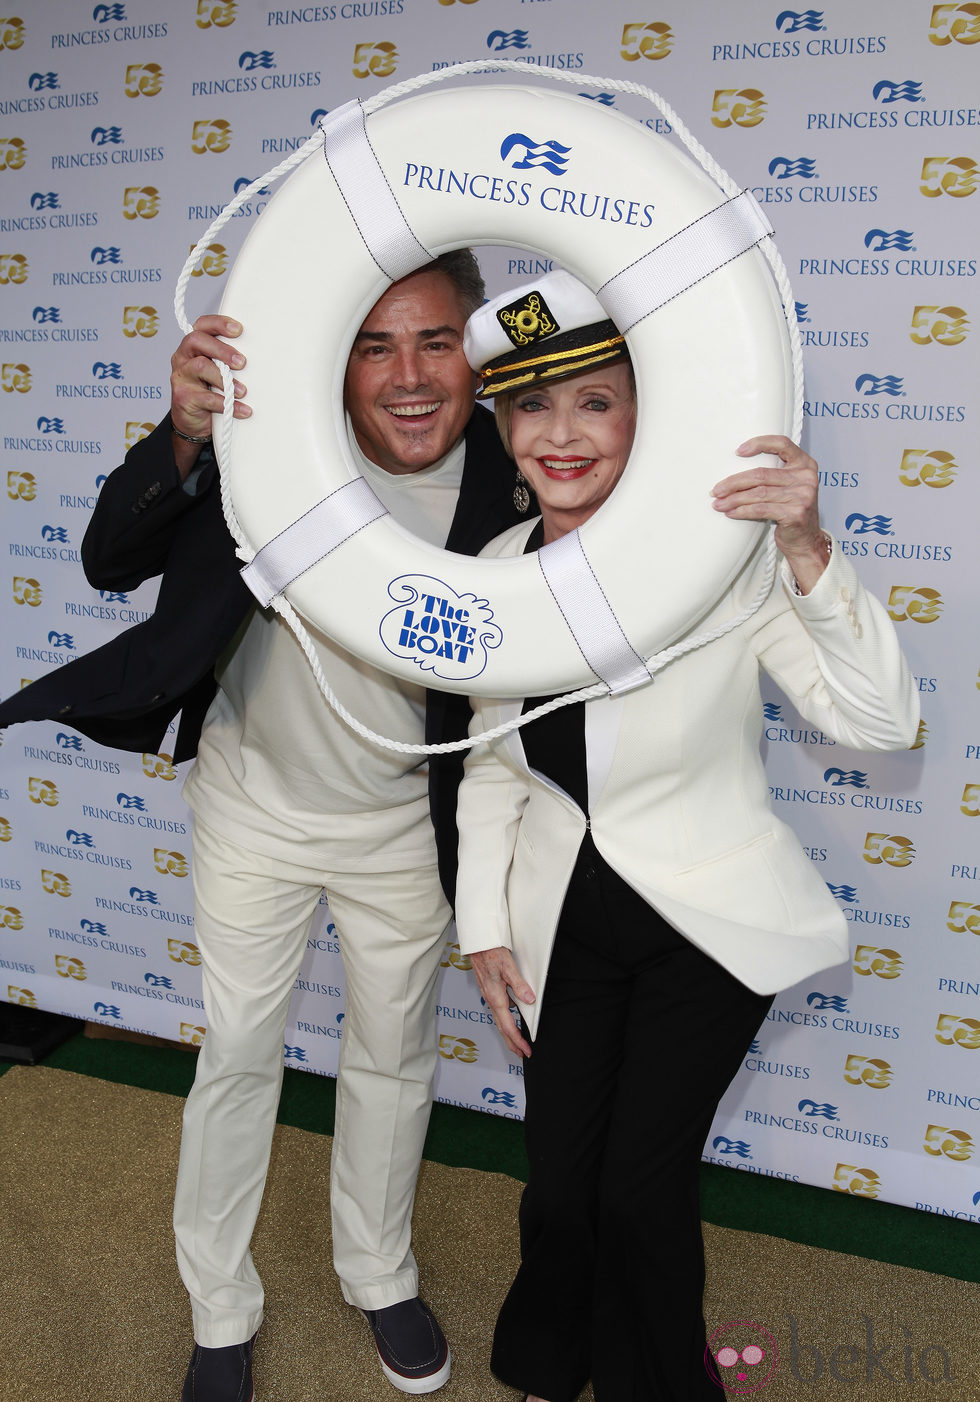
(95,1311)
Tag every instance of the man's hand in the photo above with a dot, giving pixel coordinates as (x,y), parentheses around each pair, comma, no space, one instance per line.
(786,495)
(499,977)
(196,391)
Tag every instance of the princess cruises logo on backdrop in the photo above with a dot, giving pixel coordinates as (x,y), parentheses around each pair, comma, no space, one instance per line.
(788,167)
(442,632)
(859,524)
(800,21)
(882,241)
(500,39)
(733,1148)
(812,1110)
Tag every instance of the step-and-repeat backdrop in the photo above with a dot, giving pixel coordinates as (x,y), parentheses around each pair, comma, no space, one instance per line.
(125,127)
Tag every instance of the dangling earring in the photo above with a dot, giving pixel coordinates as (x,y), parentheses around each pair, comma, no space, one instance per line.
(522,497)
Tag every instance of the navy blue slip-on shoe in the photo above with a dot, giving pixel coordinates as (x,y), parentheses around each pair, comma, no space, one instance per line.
(412,1348)
(220,1374)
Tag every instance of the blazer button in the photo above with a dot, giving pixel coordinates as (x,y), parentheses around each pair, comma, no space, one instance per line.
(155,699)
(590,873)
(66,710)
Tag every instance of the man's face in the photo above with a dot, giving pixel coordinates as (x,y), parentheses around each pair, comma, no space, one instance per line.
(409,390)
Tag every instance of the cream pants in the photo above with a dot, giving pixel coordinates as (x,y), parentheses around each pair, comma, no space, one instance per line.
(253,916)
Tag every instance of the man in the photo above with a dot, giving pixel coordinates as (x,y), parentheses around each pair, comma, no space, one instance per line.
(288,801)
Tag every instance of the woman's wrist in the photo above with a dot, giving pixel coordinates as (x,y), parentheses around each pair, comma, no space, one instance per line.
(808,568)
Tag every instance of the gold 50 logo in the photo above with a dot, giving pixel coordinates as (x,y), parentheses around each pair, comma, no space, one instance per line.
(213,262)
(970,802)
(921,736)
(918,605)
(15,379)
(66,966)
(11,33)
(140,321)
(860,1182)
(220,13)
(43,791)
(56,883)
(963,917)
(184,952)
(135,433)
(927,469)
(23,997)
(141,202)
(953,1144)
(885,963)
(740,107)
(21,486)
(887,848)
(375,60)
(169,863)
(192,1035)
(453,959)
(11,918)
(143,80)
(867,1071)
(159,767)
(948,175)
(653,40)
(211,136)
(457,1048)
(959,22)
(27,591)
(946,326)
(952,1030)
(14,268)
(13,152)
(6,831)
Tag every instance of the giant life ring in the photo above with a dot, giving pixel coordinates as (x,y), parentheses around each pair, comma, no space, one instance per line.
(677,264)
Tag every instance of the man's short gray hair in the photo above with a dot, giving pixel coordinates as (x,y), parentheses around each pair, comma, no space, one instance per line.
(463,271)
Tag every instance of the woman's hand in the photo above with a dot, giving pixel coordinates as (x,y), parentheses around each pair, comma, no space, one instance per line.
(499,978)
(786,495)
(196,391)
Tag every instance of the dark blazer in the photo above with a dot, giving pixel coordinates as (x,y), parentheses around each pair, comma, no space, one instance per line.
(126,693)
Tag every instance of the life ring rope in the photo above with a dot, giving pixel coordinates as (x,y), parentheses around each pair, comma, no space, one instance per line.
(620,292)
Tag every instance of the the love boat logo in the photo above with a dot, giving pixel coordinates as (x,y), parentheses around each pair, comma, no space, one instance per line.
(442,632)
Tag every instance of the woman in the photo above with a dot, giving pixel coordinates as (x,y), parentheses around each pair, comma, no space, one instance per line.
(626,849)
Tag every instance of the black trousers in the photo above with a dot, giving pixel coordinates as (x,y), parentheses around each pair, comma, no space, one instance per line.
(639,1037)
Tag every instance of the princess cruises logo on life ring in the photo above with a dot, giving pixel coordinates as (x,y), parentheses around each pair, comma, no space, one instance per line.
(443,632)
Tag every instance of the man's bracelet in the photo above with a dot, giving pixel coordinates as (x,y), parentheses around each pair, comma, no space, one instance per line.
(187,437)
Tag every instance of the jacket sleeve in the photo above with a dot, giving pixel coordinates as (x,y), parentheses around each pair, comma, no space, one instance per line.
(132,528)
(836,655)
(492,798)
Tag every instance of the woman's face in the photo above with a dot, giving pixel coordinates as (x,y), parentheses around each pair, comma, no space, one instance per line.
(571,440)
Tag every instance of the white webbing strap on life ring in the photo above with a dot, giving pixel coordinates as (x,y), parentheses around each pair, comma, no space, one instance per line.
(299,535)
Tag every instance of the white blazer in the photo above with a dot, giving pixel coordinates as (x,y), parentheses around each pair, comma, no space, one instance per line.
(678,794)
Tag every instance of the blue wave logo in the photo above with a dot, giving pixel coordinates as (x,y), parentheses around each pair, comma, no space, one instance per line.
(49,425)
(887,91)
(772,710)
(93,927)
(318,114)
(65,640)
(500,39)
(812,1110)
(55,533)
(112,596)
(68,742)
(106,136)
(39,82)
(98,256)
(442,632)
(802,311)
(104,14)
(293,1053)
(250,60)
(881,241)
(976,1199)
(843,893)
(784,167)
(100,482)
(41,315)
(605,99)
(845,778)
(148,897)
(827,1002)
(79,839)
(51,200)
(498,1097)
(107,370)
(106,1010)
(157,980)
(737,1147)
(880,384)
(243,182)
(130,800)
(754,1047)
(868,525)
(796,21)
(550,155)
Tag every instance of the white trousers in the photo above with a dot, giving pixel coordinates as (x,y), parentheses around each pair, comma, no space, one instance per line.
(253,918)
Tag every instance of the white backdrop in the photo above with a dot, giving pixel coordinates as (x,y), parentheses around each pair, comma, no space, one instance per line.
(122,134)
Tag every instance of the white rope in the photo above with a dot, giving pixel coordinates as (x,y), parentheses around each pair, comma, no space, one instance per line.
(245,551)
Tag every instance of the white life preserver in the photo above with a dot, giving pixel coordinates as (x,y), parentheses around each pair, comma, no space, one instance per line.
(676,263)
